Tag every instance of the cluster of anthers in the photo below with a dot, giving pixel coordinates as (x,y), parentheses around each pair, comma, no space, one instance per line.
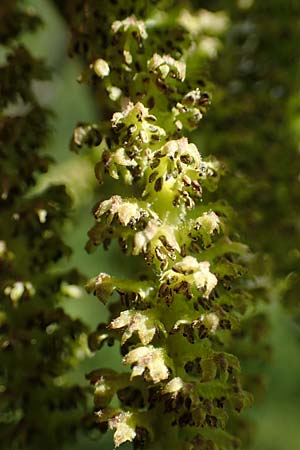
(175,318)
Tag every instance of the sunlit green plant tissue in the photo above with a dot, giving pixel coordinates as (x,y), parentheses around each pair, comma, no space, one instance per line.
(176,318)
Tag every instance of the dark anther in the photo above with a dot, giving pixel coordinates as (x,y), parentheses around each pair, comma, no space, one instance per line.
(158,184)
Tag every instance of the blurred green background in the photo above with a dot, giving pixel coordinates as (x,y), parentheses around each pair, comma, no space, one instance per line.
(277,417)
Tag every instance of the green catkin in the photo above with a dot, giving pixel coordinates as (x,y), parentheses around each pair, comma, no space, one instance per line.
(176,317)
(257,84)
(38,340)
(254,110)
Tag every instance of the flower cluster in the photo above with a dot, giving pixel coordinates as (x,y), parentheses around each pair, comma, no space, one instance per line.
(258,82)
(254,110)
(176,317)
(38,340)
